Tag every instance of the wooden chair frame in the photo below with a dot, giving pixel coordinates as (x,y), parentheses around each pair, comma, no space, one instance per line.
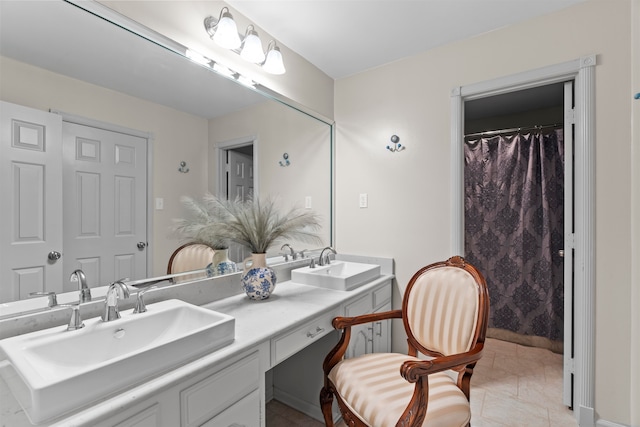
(413,371)
(177,251)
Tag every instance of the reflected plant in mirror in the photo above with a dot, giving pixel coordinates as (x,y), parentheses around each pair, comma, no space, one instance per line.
(255,223)
(199,227)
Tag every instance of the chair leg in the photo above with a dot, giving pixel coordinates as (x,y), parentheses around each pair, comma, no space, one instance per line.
(326,402)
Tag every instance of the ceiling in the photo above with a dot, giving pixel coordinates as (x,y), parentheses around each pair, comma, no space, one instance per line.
(345,37)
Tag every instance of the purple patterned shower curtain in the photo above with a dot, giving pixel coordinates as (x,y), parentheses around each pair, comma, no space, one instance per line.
(514,227)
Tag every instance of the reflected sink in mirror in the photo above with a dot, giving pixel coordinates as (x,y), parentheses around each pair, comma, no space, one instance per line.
(339,275)
(55,371)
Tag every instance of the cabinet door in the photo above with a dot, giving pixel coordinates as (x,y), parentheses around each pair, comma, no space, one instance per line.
(361,335)
(382,332)
(244,413)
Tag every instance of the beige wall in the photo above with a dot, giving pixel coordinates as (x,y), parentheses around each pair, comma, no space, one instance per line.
(183,21)
(409,192)
(177,136)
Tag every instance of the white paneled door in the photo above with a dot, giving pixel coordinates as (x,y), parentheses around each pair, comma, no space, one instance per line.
(240,178)
(31,208)
(105,199)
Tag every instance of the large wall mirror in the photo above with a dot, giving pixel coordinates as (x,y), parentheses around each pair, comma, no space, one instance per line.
(56,56)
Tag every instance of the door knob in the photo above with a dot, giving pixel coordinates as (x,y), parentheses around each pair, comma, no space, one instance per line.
(142,245)
(54,256)
(561,253)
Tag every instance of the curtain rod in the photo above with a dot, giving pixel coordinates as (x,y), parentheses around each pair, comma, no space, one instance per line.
(519,129)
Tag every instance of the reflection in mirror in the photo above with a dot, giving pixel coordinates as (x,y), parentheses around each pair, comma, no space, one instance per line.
(55,56)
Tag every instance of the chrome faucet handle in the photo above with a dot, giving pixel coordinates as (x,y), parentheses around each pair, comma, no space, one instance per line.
(75,322)
(301,253)
(53,299)
(140,305)
(117,289)
(84,291)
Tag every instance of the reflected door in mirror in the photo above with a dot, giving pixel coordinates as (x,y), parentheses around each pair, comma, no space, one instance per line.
(105,204)
(31,208)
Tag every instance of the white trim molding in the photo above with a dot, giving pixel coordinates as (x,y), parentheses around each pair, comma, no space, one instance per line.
(582,70)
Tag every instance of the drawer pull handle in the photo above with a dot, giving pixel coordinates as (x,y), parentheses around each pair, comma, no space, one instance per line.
(318,331)
(379,333)
(237,425)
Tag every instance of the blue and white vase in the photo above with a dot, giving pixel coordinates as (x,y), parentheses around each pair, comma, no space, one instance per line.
(258,280)
(221,264)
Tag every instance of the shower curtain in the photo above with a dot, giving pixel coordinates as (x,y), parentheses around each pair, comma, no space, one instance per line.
(514,228)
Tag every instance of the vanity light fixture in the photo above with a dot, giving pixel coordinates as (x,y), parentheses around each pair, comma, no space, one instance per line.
(252,47)
(224,32)
(196,57)
(218,68)
(273,64)
(246,81)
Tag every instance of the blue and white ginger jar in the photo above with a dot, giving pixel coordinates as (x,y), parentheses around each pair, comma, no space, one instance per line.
(258,280)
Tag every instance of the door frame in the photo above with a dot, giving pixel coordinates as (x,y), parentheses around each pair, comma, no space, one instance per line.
(84,121)
(218,150)
(582,71)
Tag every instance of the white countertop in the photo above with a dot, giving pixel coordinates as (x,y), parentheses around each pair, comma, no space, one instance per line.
(256,323)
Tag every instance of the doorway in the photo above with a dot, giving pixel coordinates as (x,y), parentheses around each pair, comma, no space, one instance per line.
(581,244)
(517,205)
(235,177)
(514,210)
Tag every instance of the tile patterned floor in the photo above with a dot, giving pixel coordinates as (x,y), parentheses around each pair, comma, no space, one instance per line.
(512,385)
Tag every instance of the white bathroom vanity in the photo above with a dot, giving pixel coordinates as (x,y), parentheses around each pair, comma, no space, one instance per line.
(277,352)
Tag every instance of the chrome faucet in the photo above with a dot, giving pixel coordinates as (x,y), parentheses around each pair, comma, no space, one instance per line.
(294,255)
(324,260)
(84,291)
(117,289)
(141,307)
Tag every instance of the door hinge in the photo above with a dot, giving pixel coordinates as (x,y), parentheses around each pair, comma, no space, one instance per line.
(570,241)
(570,365)
(570,116)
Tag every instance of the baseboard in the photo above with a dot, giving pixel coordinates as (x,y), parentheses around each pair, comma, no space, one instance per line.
(310,409)
(605,423)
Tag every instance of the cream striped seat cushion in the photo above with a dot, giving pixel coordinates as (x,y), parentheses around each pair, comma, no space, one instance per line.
(380,399)
(191,257)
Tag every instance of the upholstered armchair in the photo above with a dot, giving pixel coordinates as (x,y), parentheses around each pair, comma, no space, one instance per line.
(189,257)
(444,310)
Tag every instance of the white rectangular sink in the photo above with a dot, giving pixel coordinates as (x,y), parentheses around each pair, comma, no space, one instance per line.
(339,275)
(55,371)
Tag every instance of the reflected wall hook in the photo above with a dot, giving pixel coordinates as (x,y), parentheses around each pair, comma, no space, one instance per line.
(286,162)
(183,167)
(396,144)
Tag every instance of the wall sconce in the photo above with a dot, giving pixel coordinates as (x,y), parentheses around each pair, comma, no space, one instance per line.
(183,167)
(286,162)
(224,32)
(396,144)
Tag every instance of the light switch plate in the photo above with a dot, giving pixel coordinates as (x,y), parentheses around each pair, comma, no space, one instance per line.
(364,200)
(159,203)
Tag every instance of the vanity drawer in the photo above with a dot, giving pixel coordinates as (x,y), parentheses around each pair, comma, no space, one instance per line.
(214,394)
(291,342)
(381,296)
